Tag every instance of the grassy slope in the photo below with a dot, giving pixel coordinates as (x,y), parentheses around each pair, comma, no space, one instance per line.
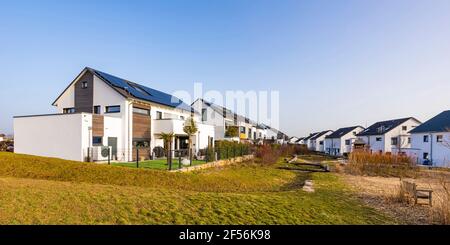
(37,190)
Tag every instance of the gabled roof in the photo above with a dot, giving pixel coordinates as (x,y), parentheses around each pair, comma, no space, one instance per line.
(136,91)
(439,123)
(380,128)
(341,132)
(320,134)
(310,136)
(227,113)
(300,139)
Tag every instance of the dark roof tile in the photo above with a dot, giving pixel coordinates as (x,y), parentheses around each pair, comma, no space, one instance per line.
(439,123)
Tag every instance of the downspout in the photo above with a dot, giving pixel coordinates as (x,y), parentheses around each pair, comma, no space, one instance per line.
(431,149)
(130,142)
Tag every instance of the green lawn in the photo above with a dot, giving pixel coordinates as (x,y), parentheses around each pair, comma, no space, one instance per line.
(37,190)
(160,164)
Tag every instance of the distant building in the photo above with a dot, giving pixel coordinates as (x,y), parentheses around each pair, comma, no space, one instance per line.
(341,141)
(318,141)
(388,136)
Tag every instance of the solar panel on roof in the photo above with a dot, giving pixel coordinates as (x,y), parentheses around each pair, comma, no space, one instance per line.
(144,93)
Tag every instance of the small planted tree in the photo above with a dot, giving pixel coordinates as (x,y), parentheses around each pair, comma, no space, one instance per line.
(232,131)
(190,128)
(167,138)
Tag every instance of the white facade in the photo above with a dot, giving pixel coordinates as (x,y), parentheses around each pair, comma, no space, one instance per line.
(342,145)
(430,147)
(67,136)
(64,136)
(318,142)
(384,143)
(293,140)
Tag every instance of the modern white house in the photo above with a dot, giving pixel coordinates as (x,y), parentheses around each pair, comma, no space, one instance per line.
(301,141)
(340,142)
(98,109)
(293,140)
(430,142)
(391,136)
(318,141)
(307,140)
(219,117)
(222,118)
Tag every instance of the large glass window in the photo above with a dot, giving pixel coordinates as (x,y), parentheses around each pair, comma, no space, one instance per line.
(141,111)
(68,110)
(158,115)
(113,109)
(97,140)
(394,141)
(97,109)
(204,118)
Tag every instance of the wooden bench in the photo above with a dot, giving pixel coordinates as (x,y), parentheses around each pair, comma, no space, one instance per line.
(293,159)
(411,190)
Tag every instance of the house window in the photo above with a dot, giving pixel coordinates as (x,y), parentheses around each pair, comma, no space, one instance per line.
(394,141)
(425,155)
(141,143)
(158,115)
(113,109)
(320,142)
(204,111)
(409,140)
(439,138)
(404,128)
(84,84)
(425,138)
(242,130)
(182,117)
(97,109)
(97,140)
(354,133)
(141,111)
(347,142)
(378,138)
(68,110)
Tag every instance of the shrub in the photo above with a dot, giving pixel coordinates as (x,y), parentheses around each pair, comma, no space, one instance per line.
(230,149)
(268,154)
(366,163)
(441,210)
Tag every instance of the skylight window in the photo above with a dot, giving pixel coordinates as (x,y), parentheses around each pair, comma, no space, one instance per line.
(139,89)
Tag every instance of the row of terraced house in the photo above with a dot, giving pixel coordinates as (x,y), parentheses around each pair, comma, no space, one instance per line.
(427,143)
(98,110)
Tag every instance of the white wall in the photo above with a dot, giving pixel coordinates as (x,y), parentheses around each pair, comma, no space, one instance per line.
(438,152)
(66,100)
(385,144)
(202,136)
(339,143)
(62,136)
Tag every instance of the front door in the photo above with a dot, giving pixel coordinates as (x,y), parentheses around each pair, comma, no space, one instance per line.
(112,142)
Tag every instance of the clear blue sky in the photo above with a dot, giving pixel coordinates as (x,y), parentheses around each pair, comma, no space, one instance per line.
(335,63)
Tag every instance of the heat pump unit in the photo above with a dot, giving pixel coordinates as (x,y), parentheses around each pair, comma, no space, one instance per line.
(100,153)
